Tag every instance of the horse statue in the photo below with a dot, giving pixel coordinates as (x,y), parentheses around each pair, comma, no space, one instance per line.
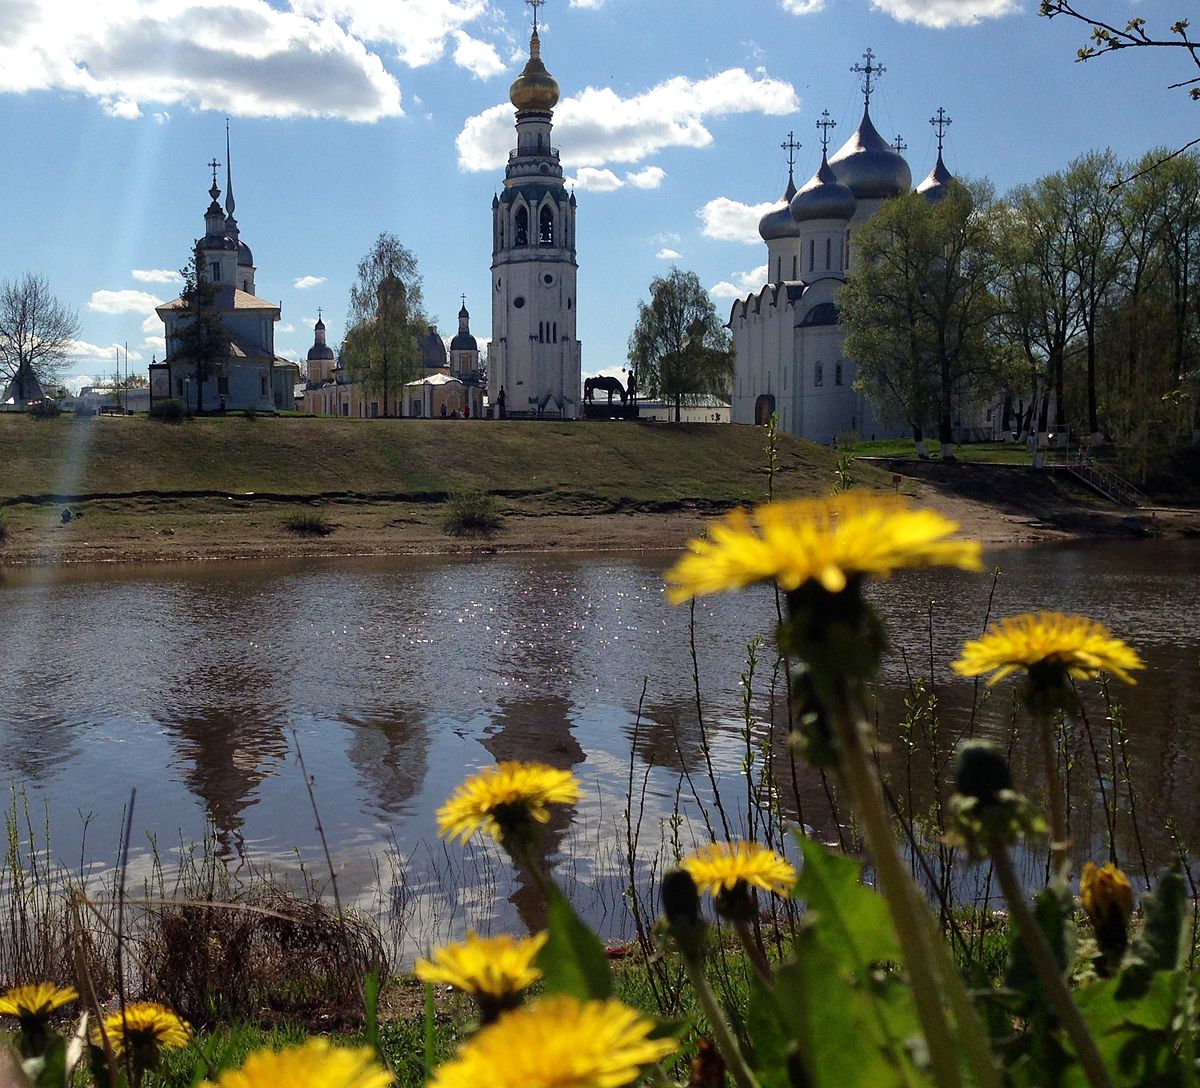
(606,383)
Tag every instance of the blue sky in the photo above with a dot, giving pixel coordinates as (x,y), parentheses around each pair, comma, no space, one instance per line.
(351,117)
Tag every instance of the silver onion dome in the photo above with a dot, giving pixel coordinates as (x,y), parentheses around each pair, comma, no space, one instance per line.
(823,197)
(935,187)
(869,165)
(778,222)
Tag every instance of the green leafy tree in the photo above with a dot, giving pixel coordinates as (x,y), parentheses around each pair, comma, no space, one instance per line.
(202,336)
(36,334)
(919,311)
(385,321)
(679,349)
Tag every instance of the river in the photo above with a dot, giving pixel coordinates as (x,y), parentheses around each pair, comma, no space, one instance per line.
(197,684)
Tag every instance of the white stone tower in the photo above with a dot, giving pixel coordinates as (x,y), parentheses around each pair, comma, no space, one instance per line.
(534,356)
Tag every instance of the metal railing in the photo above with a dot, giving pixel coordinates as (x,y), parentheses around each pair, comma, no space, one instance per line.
(1104,480)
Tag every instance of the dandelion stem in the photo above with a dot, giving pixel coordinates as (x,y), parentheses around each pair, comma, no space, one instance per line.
(735,1062)
(901,895)
(754,951)
(1058,828)
(1046,967)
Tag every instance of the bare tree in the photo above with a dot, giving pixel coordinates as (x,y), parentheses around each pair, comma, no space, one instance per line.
(36,331)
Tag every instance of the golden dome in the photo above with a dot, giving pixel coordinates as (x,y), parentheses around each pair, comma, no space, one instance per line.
(534,88)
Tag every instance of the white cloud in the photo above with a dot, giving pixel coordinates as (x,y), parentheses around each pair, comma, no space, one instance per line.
(285,328)
(477,57)
(606,128)
(649,178)
(123,302)
(152,324)
(304,282)
(288,353)
(85,351)
(940,14)
(802,7)
(240,56)
(742,284)
(156,275)
(162,117)
(731,221)
(156,344)
(668,255)
(590,5)
(596,181)
(76,382)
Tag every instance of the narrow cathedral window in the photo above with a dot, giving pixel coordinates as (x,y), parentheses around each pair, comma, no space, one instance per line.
(819,374)
(837,374)
(778,269)
(795,271)
(828,253)
(555,334)
(214,270)
(812,252)
(546,228)
(522,227)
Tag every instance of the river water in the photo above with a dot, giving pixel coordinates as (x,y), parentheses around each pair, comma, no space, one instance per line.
(197,685)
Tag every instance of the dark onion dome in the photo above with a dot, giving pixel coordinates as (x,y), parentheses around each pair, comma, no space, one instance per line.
(935,187)
(778,222)
(464,341)
(869,165)
(320,351)
(535,88)
(823,197)
(245,257)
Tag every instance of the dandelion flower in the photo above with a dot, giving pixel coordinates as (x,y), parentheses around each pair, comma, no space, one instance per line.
(829,541)
(505,798)
(558,1042)
(1050,645)
(144,1029)
(492,970)
(38,999)
(1105,894)
(722,866)
(314,1064)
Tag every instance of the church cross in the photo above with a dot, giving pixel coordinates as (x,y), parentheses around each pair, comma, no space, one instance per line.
(940,123)
(464,299)
(791,146)
(825,123)
(318,313)
(899,144)
(535,4)
(213,167)
(868,71)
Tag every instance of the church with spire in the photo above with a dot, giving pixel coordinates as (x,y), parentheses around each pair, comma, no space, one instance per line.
(787,337)
(534,357)
(247,374)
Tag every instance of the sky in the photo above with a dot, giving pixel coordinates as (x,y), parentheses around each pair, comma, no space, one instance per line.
(353,117)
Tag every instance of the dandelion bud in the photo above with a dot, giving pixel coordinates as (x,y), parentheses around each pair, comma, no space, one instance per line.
(1107,897)
(680,899)
(981,771)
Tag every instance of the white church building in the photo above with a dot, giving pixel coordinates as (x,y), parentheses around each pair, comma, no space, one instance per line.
(786,337)
(534,357)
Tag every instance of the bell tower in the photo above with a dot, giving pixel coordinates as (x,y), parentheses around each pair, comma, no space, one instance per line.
(534,355)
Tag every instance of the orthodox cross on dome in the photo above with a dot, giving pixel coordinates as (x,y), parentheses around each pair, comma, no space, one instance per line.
(212,165)
(464,301)
(899,144)
(869,72)
(825,123)
(791,145)
(940,123)
(318,314)
(535,4)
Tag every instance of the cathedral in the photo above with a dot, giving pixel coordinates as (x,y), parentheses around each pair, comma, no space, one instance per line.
(249,375)
(534,364)
(787,337)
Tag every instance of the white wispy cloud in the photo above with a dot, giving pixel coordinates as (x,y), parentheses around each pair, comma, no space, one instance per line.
(156,344)
(668,255)
(123,302)
(940,14)
(740,284)
(606,128)
(595,180)
(156,275)
(732,221)
(477,57)
(802,7)
(84,351)
(649,178)
(285,327)
(151,325)
(195,53)
(304,282)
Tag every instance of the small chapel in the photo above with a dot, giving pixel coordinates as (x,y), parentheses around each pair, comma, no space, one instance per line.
(534,357)
(787,336)
(249,375)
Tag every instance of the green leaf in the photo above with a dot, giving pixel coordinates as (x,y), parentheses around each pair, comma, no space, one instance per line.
(430,1030)
(769,1037)
(1053,911)
(371,1010)
(54,1064)
(573,961)
(1161,943)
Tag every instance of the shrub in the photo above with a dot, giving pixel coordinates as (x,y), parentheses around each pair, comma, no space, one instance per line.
(308,525)
(45,409)
(471,513)
(169,411)
(250,413)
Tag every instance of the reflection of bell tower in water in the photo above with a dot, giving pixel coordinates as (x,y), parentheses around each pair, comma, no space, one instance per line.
(534,355)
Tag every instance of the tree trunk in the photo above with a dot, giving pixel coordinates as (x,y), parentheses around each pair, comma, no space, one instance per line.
(678,406)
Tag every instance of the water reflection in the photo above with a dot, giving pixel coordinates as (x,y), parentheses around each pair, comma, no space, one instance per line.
(400,676)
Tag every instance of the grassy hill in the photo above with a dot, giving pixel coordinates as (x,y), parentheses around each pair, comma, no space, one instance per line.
(568,463)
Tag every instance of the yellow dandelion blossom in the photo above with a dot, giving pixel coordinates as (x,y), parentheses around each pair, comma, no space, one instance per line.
(494,968)
(314,1064)
(558,1042)
(37,999)
(721,866)
(506,796)
(1105,893)
(829,541)
(1080,647)
(145,1028)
